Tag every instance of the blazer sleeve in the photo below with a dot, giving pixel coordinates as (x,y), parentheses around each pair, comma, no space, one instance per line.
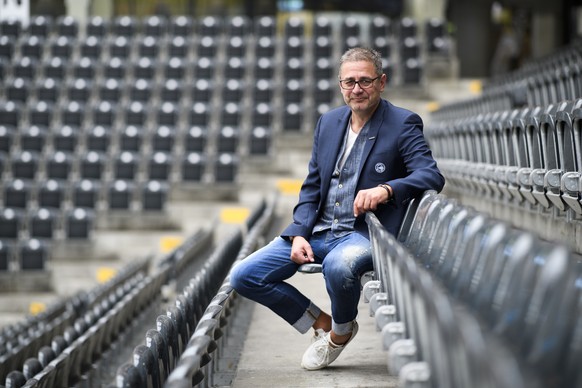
(423,173)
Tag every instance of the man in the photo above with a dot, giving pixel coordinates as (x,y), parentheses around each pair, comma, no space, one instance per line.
(367,156)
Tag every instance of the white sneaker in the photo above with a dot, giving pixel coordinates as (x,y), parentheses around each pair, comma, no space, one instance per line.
(321,353)
(317,334)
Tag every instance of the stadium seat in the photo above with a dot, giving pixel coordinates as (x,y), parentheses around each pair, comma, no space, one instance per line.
(18,90)
(260,141)
(120,195)
(115,68)
(265,26)
(233,90)
(292,117)
(230,114)
(79,90)
(119,47)
(181,26)
(104,112)
(5,253)
(6,47)
(163,139)
(47,90)
(155,26)
(25,164)
(25,67)
(204,68)
(85,194)
(147,366)
(168,114)
(91,47)
(175,69)
(265,47)
(61,47)
(124,26)
(380,27)
(294,47)
(195,139)
(228,139)
(59,165)
(144,68)
(172,91)
(32,47)
(51,194)
(65,138)
(262,115)
(159,166)
(42,223)
(235,68)
(263,91)
(78,223)
(33,138)
(131,138)
(293,91)
(33,254)
(110,90)
(236,47)
(294,26)
(126,165)
(178,47)
(92,165)
(294,68)
(96,26)
(84,69)
(210,26)
(98,139)
(12,221)
(15,378)
(322,27)
(202,91)
(54,68)
(153,195)
(135,114)
(67,26)
(226,167)
(323,93)
(193,167)
(128,375)
(322,48)
(41,113)
(41,26)
(199,114)
(11,113)
(166,328)
(7,134)
(141,91)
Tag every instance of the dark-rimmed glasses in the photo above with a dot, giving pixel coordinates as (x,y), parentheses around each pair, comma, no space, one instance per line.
(350,83)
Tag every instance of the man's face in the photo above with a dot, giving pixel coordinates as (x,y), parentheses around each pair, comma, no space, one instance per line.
(361,99)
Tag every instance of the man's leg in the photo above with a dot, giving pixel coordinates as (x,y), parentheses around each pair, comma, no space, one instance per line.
(261,277)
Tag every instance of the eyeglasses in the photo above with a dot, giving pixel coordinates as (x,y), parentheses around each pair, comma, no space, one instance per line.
(364,83)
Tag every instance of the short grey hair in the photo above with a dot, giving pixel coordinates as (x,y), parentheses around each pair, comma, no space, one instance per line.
(358,54)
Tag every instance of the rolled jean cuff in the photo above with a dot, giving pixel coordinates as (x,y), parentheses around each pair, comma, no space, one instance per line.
(342,328)
(304,323)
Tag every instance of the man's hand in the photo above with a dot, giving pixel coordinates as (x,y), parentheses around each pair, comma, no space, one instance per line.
(301,252)
(369,199)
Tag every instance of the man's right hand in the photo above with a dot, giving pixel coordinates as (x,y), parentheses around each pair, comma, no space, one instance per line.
(301,252)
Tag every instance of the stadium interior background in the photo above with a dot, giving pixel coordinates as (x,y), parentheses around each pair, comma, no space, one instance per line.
(171,147)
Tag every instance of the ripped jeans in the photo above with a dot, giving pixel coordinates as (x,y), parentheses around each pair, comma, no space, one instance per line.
(261,277)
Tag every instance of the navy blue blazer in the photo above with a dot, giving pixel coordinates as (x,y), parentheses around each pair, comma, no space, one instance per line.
(395,153)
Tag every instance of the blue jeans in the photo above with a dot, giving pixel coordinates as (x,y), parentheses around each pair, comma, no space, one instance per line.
(261,277)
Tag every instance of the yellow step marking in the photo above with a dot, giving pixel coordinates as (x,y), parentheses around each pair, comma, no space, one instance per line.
(234,215)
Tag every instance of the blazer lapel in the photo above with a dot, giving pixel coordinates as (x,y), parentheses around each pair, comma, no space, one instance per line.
(375,124)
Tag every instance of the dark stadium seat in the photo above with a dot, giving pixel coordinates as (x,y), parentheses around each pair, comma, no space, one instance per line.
(262,115)
(204,68)
(207,47)
(226,167)
(126,165)
(148,47)
(98,139)
(230,114)
(195,139)
(15,378)
(11,113)
(233,90)
(293,91)
(153,195)
(104,112)
(131,138)
(168,114)
(172,91)
(92,165)
(54,68)
(110,90)
(18,90)
(61,47)
(294,47)
(322,27)
(120,195)
(175,68)
(165,326)
(235,68)
(163,138)
(51,193)
(33,139)
(42,223)
(6,47)
(236,47)
(228,139)
(202,91)
(32,47)
(263,91)
(322,48)
(193,167)
(199,114)
(91,47)
(84,68)
(323,93)
(5,254)
(33,254)
(155,341)
(45,355)
(380,27)
(11,222)
(119,47)
(260,141)
(115,68)
(85,194)
(265,26)
(129,376)
(292,117)
(135,113)
(154,26)
(65,138)
(141,91)
(159,166)
(294,26)
(178,47)
(97,26)
(25,67)
(265,47)
(144,68)
(67,26)
(48,90)
(41,113)
(181,26)
(59,165)
(78,223)
(79,90)
(40,25)
(125,26)
(350,28)
(210,26)
(25,164)
(294,68)
(147,365)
